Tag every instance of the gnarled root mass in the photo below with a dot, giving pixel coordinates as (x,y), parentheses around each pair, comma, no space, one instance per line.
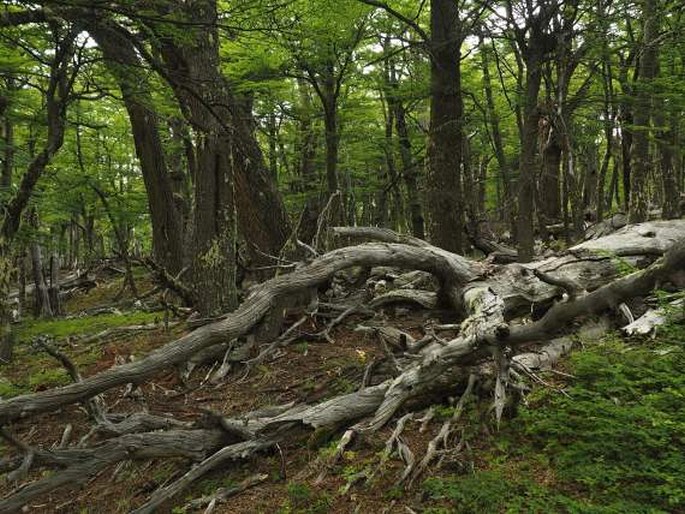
(500,312)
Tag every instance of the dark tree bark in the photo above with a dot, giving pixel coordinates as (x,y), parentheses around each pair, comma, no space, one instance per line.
(609,113)
(272,132)
(41,295)
(8,139)
(329,99)
(327,80)
(123,241)
(409,166)
(410,172)
(506,211)
(56,100)
(609,117)
(668,145)
(261,213)
(527,158)
(444,202)
(382,215)
(640,155)
(533,43)
(550,201)
(124,63)
(193,66)
(308,180)
(53,290)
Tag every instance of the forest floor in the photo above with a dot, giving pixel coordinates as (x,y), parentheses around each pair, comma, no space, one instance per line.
(605,432)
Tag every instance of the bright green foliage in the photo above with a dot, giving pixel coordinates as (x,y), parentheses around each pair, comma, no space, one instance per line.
(8,389)
(303,500)
(616,444)
(496,491)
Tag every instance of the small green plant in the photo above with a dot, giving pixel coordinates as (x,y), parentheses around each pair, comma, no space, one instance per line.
(299,493)
(623,267)
(394,493)
(343,385)
(302,499)
(8,389)
(48,378)
(498,491)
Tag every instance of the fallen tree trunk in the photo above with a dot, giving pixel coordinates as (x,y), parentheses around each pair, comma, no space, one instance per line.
(453,270)
(482,292)
(83,463)
(514,285)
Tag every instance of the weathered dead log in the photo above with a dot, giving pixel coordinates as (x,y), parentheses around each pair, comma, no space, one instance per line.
(426,299)
(261,429)
(606,226)
(383,235)
(480,338)
(223,493)
(453,270)
(83,463)
(119,332)
(653,318)
(590,264)
(235,451)
(484,331)
(74,281)
(488,298)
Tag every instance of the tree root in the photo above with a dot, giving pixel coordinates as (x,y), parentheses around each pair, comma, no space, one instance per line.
(223,493)
(412,472)
(235,451)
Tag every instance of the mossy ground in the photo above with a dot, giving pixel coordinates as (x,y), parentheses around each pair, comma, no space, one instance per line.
(616,443)
(34,370)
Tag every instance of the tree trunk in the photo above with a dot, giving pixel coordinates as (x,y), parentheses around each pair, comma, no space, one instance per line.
(550,202)
(444,202)
(123,240)
(6,333)
(56,100)
(272,131)
(124,63)
(626,145)
(640,156)
(382,216)
(609,112)
(261,213)
(308,180)
(410,168)
(507,203)
(330,118)
(8,141)
(193,65)
(669,181)
(53,291)
(393,188)
(41,295)
(527,159)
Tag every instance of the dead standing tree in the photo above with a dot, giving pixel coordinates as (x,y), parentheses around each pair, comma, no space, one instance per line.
(492,300)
